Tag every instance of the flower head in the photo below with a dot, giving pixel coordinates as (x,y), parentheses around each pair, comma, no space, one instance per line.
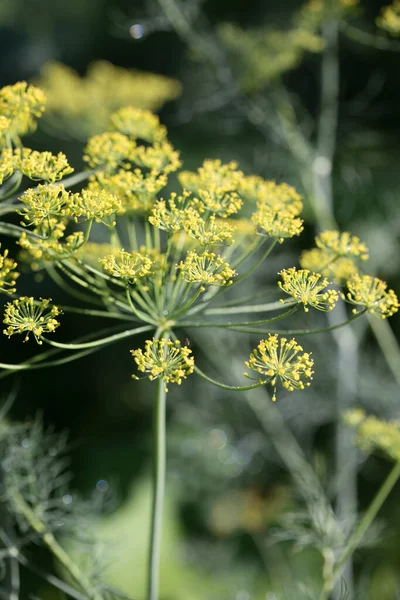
(341,244)
(278,224)
(97,205)
(389,19)
(279,359)
(210,232)
(206,268)
(164,359)
(216,185)
(308,288)
(173,215)
(109,151)
(7,164)
(374,433)
(136,191)
(128,266)
(43,203)
(371,293)
(159,158)
(138,123)
(42,165)
(336,269)
(26,315)
(22,104)
(278,196)
(8,275)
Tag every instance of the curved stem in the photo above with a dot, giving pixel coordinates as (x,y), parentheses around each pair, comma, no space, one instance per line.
(300,331)
(107,340)
(231,388)
(229,325)
(159,469)
(257,264)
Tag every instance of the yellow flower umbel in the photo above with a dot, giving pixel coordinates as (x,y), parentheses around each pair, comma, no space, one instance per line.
(25,315)
(216,185)
(336,255)
(8,275)
(43,203)
(170,216)
(93,205)
(338,270)
(22,104)
(164,359)
(278,224)
(127,266)
(389,19)
(138,124)
(279,359)
(371,293)
(7,164)
(206,268)
(210,232)
(373,433)
(308,288)
(42,166)
(341,244)
(159,158)
(278,196)
(109,151)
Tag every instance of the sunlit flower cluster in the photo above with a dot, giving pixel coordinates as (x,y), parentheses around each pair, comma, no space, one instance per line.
(216,185)
(8,274)
(308,288)
(41,166)
(109,150)
(137,123)
(370,293)
(22,104)
(26,315)
(206,268)
(164,359)
(127,266)
(92,205)
(375,434)
(277,224)
(389,19)
(341,244)
(81,106)
(278,359)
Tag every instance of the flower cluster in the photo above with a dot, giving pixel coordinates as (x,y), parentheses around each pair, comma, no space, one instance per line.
(372,294)
(8,274)
(137,123)
(373,433)
(127,266)
(335,256)
(278,359)
(26,315)
(389,19)
(206,268)
(216,185)
(308,288)
(41,166)
(164,359)
(21,104)
(82,106)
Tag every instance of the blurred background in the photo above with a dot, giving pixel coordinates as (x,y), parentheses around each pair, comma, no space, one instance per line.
(236,526)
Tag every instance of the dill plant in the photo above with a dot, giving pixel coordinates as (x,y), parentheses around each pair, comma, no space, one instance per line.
(169,265)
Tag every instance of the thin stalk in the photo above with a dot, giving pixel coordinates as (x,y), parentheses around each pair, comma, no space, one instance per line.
(257,264)
(365,522)
(54,546)
(107,340)
(236,310)
(159,469)
(231,388)
(230,325)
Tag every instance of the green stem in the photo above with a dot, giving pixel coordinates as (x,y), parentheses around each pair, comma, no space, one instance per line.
(366,521)
(229,325)
(54,546)
(107,340)
(159,468)
(231,388)
(236,310)
(257,264)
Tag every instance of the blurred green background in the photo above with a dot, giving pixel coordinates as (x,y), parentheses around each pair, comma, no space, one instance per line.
(226,486)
